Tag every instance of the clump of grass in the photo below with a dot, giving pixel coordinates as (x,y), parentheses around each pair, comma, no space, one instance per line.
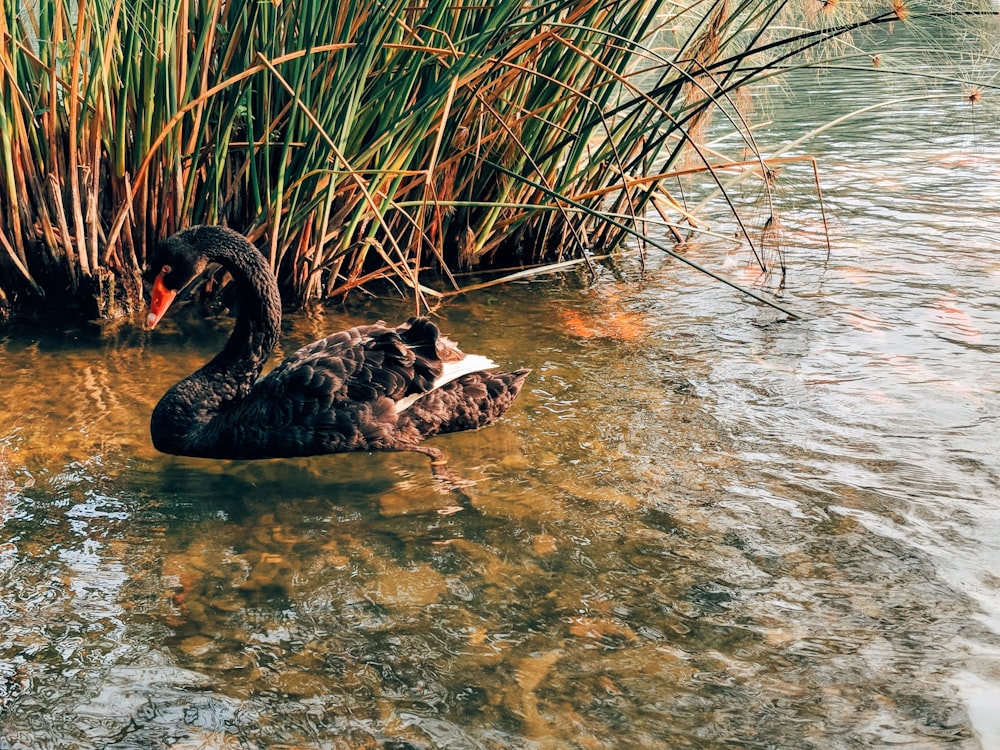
(362,143)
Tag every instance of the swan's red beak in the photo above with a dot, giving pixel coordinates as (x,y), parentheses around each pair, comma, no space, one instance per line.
(159,301)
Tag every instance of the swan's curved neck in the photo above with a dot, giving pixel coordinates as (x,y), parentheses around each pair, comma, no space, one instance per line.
(258,315)
(182,419)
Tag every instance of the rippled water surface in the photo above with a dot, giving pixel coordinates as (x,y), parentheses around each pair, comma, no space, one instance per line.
(702,525)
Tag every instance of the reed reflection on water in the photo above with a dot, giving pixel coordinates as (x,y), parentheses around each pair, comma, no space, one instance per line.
(701,525)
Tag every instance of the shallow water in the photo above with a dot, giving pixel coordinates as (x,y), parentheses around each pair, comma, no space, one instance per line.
(702,525)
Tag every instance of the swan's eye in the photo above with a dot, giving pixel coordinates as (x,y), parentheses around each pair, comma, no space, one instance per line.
(165,270)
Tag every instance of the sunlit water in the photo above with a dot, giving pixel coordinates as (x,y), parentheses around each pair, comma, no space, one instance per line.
(702,525)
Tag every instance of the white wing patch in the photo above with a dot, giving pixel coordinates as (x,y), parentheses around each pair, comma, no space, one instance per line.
(452,371)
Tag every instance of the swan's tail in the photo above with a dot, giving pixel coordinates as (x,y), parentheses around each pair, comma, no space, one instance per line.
(472,401)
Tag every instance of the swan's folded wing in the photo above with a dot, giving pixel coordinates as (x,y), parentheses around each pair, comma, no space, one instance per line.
(360,365)
(339,393)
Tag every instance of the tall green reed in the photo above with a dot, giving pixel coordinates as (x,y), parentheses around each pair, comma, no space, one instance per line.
(361,143)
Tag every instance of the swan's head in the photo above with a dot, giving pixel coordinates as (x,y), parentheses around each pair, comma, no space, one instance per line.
(176,263)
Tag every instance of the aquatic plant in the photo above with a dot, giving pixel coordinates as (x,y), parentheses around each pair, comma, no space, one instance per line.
(399,142)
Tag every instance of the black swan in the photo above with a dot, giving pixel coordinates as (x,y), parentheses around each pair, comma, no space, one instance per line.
(364,389)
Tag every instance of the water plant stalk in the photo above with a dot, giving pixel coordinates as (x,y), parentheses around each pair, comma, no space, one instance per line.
(399,142)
